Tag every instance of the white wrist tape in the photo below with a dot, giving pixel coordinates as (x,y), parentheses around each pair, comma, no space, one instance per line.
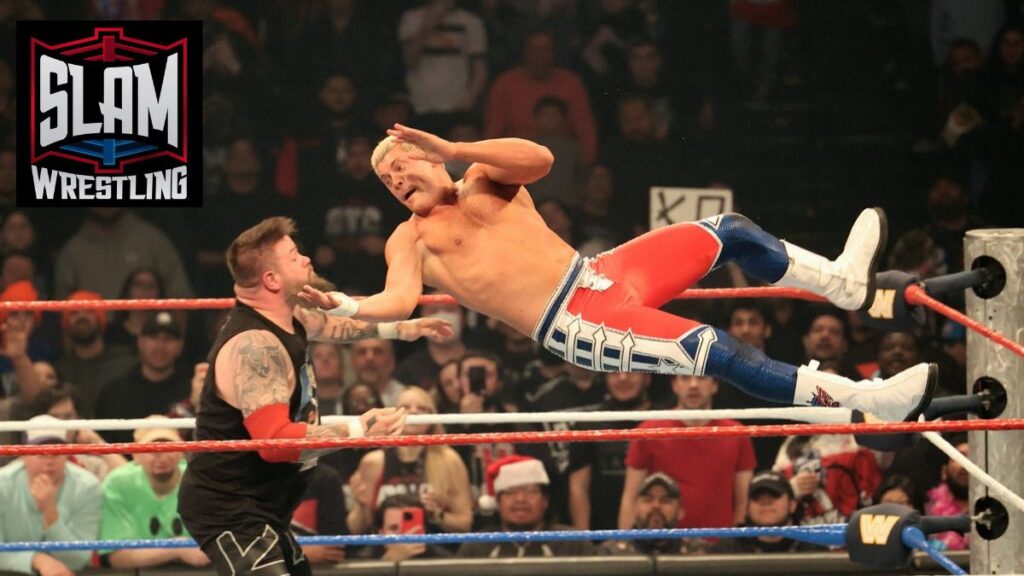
(347,307)
(388,330)
(355,428)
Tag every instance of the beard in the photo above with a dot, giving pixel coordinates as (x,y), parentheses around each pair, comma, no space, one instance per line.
(648,522)
(316,281)
(958,491)
(824,351)
(321,283)
(85,338)
(659,545)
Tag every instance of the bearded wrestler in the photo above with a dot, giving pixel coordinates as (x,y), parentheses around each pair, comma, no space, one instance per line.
(261,386)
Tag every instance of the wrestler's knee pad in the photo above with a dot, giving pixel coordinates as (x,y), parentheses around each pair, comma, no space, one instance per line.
(758,253)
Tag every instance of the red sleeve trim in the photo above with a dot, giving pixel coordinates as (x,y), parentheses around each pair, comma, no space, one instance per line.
(272,423)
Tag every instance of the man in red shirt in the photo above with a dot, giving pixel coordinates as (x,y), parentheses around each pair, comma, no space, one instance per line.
(513,95)
(703,468)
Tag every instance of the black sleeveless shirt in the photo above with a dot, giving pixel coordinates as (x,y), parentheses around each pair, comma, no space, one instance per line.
(400,478)
(404,479)
(227,490)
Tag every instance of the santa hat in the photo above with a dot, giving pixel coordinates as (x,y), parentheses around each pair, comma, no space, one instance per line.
(511,472)
(21,291)
(65,319)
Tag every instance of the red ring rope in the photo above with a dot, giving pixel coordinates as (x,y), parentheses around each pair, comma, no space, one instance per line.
(916,295)
(520,437)
(221,303)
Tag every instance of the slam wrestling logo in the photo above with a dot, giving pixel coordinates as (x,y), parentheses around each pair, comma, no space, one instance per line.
(109,114)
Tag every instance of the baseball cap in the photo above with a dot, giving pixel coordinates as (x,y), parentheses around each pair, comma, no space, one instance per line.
(46,435)
(167,434)
(772,482)
(162,322)
(663,480)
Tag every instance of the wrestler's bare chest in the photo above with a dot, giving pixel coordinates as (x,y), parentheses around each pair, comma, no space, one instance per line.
(461,247)
(449,232)
(495,256)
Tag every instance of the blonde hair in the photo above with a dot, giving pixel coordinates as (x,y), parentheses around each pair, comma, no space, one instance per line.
(387,145)
(246,255)
(436,458)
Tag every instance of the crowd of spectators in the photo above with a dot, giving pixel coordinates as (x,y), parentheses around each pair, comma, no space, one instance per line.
(628,94)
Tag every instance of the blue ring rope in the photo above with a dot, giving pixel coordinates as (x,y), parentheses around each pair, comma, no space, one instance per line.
(915,538)
(825,535)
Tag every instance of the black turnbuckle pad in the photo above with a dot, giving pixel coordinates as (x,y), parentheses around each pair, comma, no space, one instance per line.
(995,278)
(993,395)
(890,311)
(991,518)
(874,535)
(946,405)
(988,401)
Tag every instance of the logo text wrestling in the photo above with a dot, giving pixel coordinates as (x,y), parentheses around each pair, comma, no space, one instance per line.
(109,122)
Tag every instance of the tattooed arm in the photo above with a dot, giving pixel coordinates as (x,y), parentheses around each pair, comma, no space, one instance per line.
(261,372)
(262,380)
(321,327)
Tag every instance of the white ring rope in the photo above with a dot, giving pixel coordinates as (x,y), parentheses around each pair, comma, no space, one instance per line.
(974,470)
(812,415)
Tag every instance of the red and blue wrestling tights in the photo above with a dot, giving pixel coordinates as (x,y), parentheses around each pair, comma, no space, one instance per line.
(604,314)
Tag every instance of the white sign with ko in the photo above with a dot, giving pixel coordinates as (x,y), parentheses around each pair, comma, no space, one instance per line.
(672,205)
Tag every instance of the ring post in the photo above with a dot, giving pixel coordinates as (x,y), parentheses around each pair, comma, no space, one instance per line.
(1003,456)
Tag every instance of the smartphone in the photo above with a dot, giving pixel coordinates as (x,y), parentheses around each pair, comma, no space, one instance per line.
(412,520)
(810,461)
(477,379)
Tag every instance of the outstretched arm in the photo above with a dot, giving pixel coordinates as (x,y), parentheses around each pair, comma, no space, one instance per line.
(511,161)
(323,328)
(402,288)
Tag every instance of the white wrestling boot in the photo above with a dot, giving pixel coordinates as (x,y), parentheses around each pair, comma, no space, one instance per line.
(849,280)
(901,397)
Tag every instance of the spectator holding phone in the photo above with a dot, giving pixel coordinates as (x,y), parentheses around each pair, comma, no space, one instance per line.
(481,377)
(402,514)
(831,475)
(482,382)
(434,476)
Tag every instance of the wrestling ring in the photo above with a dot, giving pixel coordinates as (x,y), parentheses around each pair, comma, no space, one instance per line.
(996,366)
